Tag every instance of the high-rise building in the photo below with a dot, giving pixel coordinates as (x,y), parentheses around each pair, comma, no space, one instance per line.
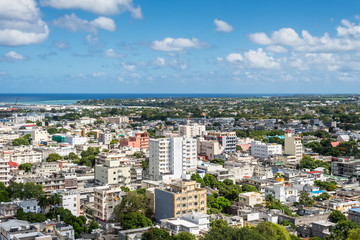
(105,200)
(4,171)
(293,146)
(105,138)
(191,130)
(172,157)
(227,139)
(178,198)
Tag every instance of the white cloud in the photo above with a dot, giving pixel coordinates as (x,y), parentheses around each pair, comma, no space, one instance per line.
(222,26)
(21,24)
(234,57)
(219,59)
(74,24)
(259,59)
(348,39)
(129,67)
(106,7)
(112,53)
(160,61)
(176,44)
(12,55)
(277,49)
(98,74)
(61,44)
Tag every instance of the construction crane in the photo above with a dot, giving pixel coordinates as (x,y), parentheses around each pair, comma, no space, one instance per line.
(18,98)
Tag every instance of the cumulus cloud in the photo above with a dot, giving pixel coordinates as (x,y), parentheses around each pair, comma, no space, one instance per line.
(12,55)
(277,49)
(176,44)
(222,26)
(129,67)
(112,53)
(253,59)
(74,24)
(159,61)
(21,24)
(106,7)
(348,39)
(234,57)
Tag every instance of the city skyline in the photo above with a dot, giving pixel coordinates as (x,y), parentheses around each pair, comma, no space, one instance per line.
(119,46)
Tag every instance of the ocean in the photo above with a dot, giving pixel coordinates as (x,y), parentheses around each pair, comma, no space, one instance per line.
(71,98)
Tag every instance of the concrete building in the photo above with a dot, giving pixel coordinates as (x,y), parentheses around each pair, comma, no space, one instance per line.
(227,139)
(25,156)
(71,201)
(179,197)
(191,223)
(265,150)
(141,140)
(282,193)
(345,167)
(45,168)
(14,227)
(293,146)
(172,157)
(209,148)
(250,198)
(76,140)
(105,138)
(30,206)
(112,173)
(191,130)
(120,120)
(39,135)
(105,200)
(4,171)
(354,215)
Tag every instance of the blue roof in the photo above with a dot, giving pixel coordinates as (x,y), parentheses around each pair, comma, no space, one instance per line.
(320,191)
(355,209)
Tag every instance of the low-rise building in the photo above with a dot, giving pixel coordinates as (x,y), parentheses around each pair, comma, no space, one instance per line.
(250,198)
(112,173)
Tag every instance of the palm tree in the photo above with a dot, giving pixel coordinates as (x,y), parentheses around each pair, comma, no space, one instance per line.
(43,202)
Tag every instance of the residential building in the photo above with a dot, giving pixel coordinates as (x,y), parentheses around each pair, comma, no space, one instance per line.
(25,156)
(45,168)
(227,139)
(8,209)
(191,130)
(71,200)
(18,227)
(4,171)
(345,167)
(105,200)
(354,215)
(39,135)
(76,140)
(105,138)
(192,223)
(265,150)
(112,173)
(209,148)
(119,120)
(293,146)
(282,193)
(172,157)
(250,198)
(179,197)
(141,140)
(30,206)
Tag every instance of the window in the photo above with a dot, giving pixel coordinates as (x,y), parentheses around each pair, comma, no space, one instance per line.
(196,196)
(184,212)
(184,205)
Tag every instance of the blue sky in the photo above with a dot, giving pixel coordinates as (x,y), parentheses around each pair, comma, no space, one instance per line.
(179,46)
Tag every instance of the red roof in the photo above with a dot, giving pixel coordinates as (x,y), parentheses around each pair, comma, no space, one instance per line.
(313,172)
(13,164)
(287,131)
(335,144)
(30,125)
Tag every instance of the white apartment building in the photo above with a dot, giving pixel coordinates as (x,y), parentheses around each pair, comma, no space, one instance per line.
(282,193)
(105,138)
(39,135)
(264,150)
(76,140)
(293,146)
(250,198)
(112,173)
(192,130)
(4,171)
(105,200)
(71,201)
(25,156)
(172,157)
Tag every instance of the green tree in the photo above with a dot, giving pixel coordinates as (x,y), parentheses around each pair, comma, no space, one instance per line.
(20,141)
(134,220)
(219,223)
(272,231)
(218,161)
(132,202)
(248,188)
(53,157)
(93,225)
(32,190)
(196,177)
(305,200)
(156,234)
(184,236)
(25,166)
(52,131)
(354,234)
(114,141)
(337,216)
(307,162)
(210,180)
(341,229)
(323,196)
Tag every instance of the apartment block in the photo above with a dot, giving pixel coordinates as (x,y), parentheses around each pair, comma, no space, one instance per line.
(293,146)
(105,138)
(192,130)
(4,171)
(250,198)
(105,200)
(112,173)
(172,157)
(141,140)
(179,197)
(209,148)
(265,150)
(227,139)
(71,201)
